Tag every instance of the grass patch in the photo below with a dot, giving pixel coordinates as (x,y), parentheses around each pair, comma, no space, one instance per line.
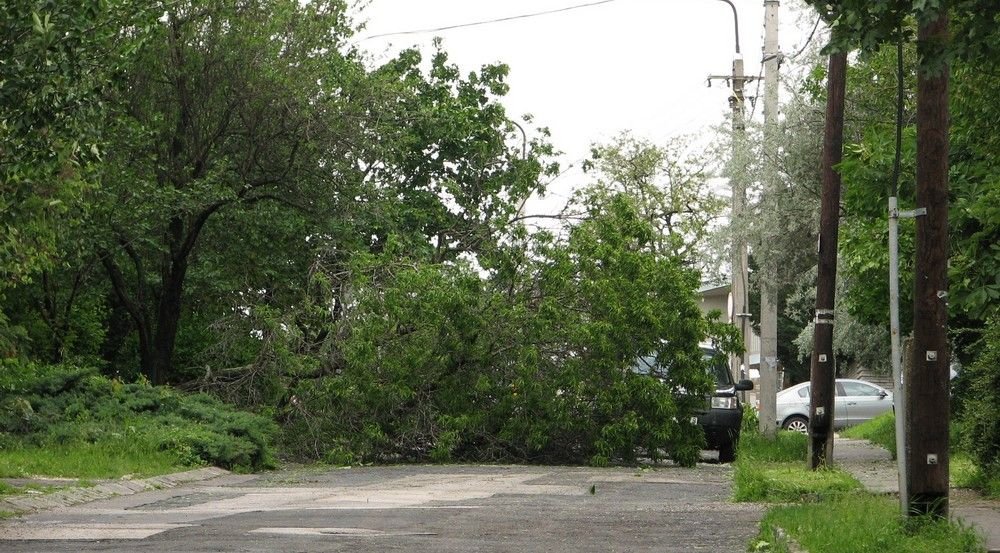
(860,523)
(880,431)
(106,459)
(964,473)
(784,482)
(775,471)
(786,446)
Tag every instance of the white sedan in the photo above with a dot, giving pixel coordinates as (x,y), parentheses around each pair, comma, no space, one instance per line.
(857,401)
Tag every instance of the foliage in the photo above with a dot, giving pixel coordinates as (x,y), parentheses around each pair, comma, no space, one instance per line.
(58,60)
(854,341)
(670,186)
(870,25)
(532,363)
(855,523)
(56,406)
(965,473)
(980,426)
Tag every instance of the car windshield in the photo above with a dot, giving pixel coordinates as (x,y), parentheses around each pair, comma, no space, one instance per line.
(719,369)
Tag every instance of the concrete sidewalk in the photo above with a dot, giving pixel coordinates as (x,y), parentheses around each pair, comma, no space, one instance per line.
(73,494)
(876,470)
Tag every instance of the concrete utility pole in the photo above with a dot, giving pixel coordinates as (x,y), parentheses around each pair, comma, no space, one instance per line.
(927,399)
(738,314)
(823,370)
(768,290)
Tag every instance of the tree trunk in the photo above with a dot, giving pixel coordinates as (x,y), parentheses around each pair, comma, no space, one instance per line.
(823,369)
(168,318)
(927,397)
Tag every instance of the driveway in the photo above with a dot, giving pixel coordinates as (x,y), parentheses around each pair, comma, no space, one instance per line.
(410,508)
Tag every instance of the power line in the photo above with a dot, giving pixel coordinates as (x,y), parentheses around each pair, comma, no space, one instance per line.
(488,21)
(808,40)
(756,92)
(792,57)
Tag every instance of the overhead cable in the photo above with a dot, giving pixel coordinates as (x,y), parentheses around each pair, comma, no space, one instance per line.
(488,21)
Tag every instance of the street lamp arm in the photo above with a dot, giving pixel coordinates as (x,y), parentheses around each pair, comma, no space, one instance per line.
(736,24)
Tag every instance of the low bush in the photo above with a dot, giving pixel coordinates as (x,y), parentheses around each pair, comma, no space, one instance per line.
(74,409)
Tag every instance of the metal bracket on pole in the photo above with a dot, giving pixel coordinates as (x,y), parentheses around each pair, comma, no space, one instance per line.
(895,213)
(824,316)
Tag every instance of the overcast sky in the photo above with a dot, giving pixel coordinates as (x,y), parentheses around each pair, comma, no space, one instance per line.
(592,72)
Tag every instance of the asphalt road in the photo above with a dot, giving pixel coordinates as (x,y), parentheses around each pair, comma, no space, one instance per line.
(410,508)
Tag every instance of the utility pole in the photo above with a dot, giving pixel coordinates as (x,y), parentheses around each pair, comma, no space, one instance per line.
(738,314)
(927,399)
(768,289)
(822,386)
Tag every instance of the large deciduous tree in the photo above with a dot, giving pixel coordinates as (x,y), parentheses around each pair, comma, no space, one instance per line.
(227,107)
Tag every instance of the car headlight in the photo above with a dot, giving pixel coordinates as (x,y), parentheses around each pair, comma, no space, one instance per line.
(723,403)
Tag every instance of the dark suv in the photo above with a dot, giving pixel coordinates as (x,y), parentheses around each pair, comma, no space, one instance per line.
(723,412)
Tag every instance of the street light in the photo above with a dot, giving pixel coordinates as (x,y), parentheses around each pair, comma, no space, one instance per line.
(736,24)
(738,261)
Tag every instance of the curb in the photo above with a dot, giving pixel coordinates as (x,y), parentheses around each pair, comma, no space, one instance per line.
(23,504)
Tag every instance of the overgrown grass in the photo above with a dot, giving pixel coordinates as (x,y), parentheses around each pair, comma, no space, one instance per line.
(964,473)
(860,522)
(783,482)
(775,471)
(787,446)
(106,459)
(829,512)
(880,431)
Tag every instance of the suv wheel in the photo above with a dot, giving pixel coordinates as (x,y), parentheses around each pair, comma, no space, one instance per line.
(727,452)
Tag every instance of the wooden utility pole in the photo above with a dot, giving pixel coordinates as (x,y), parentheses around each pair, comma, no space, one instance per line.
(768,289)
(927,398)
(822,387)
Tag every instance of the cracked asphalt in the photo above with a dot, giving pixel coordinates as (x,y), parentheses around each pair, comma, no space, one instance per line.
(409,508)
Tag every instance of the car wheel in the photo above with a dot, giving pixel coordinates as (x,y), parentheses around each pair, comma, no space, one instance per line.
(797,424)
(727,452)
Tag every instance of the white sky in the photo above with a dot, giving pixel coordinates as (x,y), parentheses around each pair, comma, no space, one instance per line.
(590,73)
